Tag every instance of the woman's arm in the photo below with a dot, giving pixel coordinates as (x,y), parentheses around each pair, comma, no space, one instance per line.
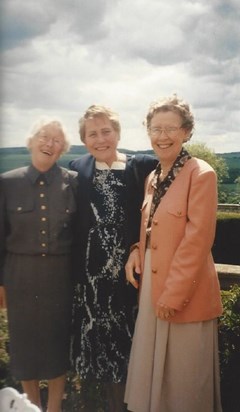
(133,266)
(195,246)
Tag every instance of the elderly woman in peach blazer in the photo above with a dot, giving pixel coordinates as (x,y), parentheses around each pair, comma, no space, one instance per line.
(174,363)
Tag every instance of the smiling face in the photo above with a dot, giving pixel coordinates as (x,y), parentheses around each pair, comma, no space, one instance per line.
(167,136)
(101,139)
(47,146)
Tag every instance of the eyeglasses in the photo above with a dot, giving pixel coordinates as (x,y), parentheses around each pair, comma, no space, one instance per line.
(169,131)
(54,140)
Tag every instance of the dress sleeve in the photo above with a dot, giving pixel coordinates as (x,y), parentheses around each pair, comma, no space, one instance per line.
(196,244)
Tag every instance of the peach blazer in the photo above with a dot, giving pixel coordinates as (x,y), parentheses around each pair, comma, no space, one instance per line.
(183,229)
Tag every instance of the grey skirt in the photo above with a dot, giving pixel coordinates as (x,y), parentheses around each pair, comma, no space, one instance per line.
(39,298)
(173,367)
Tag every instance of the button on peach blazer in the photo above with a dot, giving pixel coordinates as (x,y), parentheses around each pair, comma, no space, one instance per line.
(183,229)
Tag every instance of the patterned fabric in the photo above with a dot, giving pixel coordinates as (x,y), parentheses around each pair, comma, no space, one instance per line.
(103,312)
(161,187)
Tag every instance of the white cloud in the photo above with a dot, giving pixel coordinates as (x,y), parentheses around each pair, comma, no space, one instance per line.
(60,57)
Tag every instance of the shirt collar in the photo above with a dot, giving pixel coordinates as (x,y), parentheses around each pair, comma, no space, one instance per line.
(34,174)
(119,164)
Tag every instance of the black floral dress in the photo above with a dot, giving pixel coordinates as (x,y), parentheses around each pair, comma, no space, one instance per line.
(103,311)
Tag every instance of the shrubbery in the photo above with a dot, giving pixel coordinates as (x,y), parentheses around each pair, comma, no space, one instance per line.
(229,347)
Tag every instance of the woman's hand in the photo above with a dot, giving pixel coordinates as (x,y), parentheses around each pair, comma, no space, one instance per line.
(3,303)
(164,312)
(133,266)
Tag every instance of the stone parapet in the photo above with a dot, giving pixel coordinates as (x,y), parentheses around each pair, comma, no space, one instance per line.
(228,207)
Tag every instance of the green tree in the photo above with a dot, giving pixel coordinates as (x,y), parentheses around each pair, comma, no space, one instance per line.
(201,151)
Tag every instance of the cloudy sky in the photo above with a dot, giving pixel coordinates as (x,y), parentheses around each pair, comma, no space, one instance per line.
(59,57)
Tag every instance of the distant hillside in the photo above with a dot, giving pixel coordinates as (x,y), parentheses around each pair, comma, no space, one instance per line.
(229,155)
(14,157)
(232,159)
(233,162)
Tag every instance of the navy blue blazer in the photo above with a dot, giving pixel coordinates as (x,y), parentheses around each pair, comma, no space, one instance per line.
(137,169)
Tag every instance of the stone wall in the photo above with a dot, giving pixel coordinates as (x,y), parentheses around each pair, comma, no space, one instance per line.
(228,207)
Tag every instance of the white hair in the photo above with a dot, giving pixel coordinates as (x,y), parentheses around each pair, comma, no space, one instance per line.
(45,121)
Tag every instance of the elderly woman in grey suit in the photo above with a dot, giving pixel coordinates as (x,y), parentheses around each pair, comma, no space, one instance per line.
(37,212)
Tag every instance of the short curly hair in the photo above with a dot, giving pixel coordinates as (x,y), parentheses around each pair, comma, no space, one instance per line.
(98,111)
(46,121)
(172,104)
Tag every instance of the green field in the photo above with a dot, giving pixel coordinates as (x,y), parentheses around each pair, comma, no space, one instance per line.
(12,158)
(12,161)
(19,157)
